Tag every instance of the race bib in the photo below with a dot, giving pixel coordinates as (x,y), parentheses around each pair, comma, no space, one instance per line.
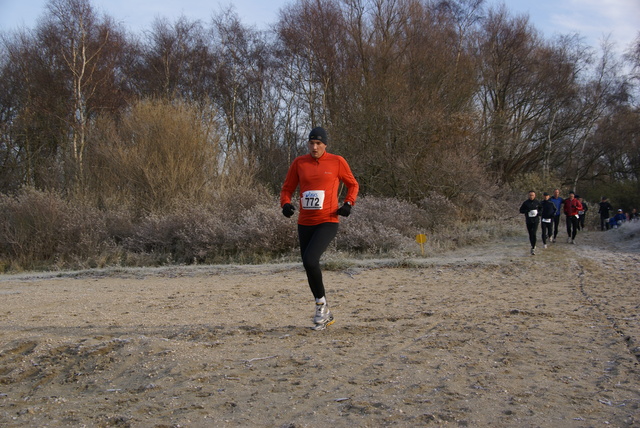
(546,220)
(580,212)
(533,213)
(312,200)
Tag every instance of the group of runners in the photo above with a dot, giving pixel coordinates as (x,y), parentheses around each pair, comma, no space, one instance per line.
(548,211)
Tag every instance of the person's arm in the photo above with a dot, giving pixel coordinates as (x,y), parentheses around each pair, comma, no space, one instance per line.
(523,208)
(290,184)
(346,176)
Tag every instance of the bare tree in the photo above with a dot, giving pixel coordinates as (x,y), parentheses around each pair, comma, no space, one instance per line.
(246,92)
(601,95)
(404,97)
(174,60)
(84,44)
(422,96)
(310,33)
(31,107)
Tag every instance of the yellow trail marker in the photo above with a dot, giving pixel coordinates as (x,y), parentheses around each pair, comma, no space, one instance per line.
(421,239)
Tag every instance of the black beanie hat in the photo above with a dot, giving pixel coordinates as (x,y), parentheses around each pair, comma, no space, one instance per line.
(319,134)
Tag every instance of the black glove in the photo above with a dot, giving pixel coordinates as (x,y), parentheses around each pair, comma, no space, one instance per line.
(287,210)
(344,210)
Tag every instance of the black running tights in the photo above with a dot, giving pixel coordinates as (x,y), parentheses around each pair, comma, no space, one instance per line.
(547,231)
(314,240)
(572,226)
(556,223)
(532,228)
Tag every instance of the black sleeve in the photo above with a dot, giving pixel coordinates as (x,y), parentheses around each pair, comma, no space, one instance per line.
(523,208)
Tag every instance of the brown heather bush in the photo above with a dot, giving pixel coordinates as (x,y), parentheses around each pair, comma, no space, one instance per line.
(389,226)
(159,153)
(439,211)
(381,225)
(215,233)
(43,230)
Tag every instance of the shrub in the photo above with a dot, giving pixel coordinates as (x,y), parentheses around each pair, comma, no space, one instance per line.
(438,211)
(217,231)
(156,155)
(381,225)
(42,227)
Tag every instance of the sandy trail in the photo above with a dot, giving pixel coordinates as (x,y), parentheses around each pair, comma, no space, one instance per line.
(485,336)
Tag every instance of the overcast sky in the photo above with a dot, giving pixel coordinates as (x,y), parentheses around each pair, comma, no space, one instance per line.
(593,19)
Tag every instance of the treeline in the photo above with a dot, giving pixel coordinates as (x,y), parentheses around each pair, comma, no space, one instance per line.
(428,100)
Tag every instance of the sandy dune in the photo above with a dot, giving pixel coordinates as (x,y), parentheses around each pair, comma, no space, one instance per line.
(485,336)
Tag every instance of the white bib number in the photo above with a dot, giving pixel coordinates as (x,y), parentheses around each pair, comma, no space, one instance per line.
(533,213)
(312,200)
(546,220)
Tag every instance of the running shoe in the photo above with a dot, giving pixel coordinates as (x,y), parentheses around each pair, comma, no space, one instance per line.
(545,246)
(533,251)
(323,317)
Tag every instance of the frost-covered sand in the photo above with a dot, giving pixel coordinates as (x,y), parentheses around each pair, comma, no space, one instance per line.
(485,336)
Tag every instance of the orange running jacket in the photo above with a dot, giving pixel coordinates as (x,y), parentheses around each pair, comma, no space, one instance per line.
(319,180)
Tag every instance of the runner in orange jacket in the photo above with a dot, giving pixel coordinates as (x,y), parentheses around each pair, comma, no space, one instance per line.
(318,175)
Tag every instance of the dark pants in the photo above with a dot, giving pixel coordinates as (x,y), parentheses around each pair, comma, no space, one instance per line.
(532,228)
(604,223)
(581,221)
(547,230)
(572,226)
(556,222)
(314,240)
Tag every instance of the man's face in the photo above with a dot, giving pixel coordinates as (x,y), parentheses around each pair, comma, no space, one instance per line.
(316,148)
(546,198)
(532,195)
(571,196)
(556,193)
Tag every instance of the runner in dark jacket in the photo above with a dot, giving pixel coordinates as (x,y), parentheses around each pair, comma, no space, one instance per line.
(604,211)
(548,213)
(557,201)
(532,209)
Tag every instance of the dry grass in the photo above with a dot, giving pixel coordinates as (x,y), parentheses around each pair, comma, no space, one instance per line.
(43,230)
